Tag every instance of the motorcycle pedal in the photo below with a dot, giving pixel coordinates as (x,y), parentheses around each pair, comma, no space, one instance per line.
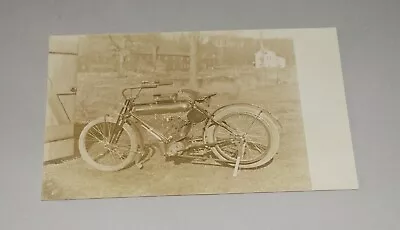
(139,165)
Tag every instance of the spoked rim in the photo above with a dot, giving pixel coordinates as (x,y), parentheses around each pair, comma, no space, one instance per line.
(98,149)
(250,131)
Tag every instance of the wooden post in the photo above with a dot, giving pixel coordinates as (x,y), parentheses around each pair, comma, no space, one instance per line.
(193,60)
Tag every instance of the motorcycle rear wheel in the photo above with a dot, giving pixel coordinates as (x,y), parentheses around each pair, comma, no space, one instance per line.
(254,116)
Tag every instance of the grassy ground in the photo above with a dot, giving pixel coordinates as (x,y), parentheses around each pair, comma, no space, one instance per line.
(101,94)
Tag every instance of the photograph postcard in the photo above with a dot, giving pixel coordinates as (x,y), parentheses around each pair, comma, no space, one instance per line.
(195,112)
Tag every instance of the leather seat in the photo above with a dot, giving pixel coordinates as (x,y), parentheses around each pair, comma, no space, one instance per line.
(195,95)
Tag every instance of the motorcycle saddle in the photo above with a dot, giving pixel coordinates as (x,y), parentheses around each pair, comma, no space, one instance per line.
(195,95)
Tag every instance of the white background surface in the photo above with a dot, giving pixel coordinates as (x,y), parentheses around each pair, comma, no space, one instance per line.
(368,37)
(323,104)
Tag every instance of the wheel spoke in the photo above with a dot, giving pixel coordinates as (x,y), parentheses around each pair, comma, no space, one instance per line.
(225,135)
(257,146)
(255,131)
(255,136)
(112,155)
(122,146)
(104,127)
(109,130)
(91,138)
(98,148)
(254,120)
(95,137)
(101,154)
(99,131)
(228,127)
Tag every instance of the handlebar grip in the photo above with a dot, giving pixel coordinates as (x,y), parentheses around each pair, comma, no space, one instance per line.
(155,84)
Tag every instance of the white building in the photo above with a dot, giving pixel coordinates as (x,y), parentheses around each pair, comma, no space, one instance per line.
(268,59)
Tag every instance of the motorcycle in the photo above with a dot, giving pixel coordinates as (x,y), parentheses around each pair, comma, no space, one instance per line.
(237,135)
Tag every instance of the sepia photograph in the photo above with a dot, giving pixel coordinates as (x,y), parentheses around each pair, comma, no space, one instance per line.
(173,113)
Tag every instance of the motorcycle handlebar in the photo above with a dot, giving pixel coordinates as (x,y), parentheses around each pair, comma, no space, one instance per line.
(148,85)
(157,83)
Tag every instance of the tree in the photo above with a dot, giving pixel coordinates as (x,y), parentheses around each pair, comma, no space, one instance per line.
(193,59)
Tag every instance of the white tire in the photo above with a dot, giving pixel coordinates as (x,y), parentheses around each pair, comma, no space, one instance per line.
(264,118)
(132,137)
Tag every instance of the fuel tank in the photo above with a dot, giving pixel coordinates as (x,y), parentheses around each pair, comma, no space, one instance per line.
(161,108)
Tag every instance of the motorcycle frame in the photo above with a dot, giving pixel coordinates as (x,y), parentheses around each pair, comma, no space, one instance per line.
(127,112)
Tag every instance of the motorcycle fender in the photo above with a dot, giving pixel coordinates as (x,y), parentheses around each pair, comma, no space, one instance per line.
(274,118)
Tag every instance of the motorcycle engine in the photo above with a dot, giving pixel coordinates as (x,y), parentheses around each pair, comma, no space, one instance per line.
(176,128)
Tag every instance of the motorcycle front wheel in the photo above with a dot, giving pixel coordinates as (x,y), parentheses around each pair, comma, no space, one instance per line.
(99,151)
(260,131)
